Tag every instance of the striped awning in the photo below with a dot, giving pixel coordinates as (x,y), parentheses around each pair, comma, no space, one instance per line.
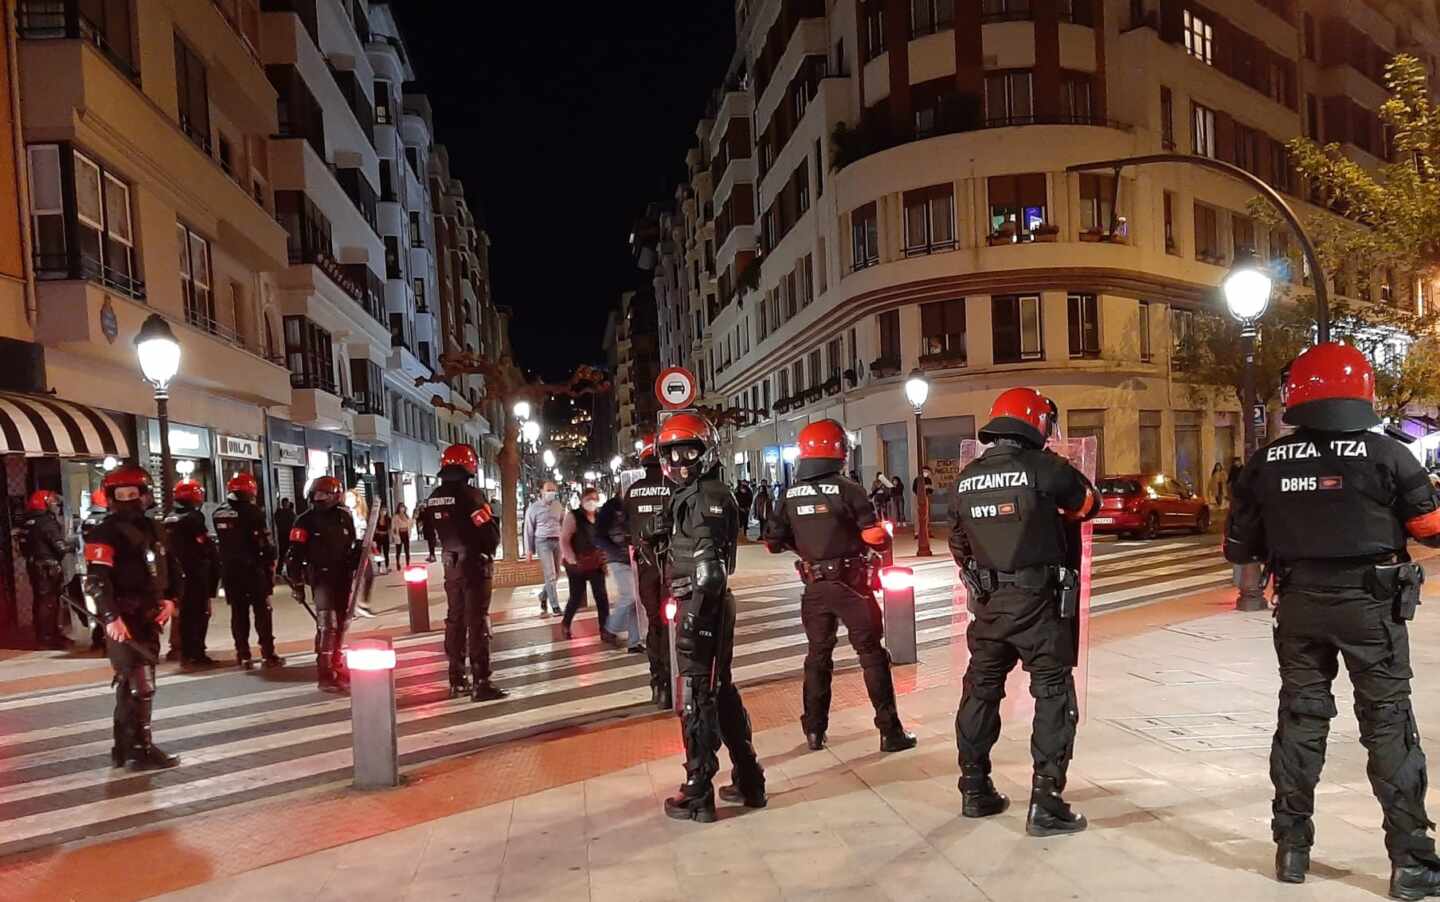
(44,425)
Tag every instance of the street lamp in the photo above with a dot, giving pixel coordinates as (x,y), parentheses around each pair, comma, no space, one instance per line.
(548,458)
(1247,294)
(917,392)
(639,445)
(615,463)
(522,410)
(591,476)
(159,355)
(530,431)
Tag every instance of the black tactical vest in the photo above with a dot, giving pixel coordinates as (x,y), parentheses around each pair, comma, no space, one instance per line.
(824,516)
(1004,504)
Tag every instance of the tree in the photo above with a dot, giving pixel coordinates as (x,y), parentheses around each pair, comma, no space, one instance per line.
(1210,356)
(506,384)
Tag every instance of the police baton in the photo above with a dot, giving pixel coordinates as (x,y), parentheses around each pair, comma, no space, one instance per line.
(139,649)
(298,593)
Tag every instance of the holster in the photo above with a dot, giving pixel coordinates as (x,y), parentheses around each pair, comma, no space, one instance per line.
(979,584)
(849,570)
(1067,583)
(1401,584)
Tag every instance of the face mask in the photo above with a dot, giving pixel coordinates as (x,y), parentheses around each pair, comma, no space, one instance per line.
(547,497)
(591,506)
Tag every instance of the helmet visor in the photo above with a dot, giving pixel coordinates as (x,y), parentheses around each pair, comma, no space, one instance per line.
(126,493)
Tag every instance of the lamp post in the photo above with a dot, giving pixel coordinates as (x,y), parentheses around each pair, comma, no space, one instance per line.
(917,391)
(522,410)
(548,458)
(1247,294)
(159,355)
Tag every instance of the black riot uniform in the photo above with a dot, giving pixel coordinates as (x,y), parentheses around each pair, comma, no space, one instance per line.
(42,542)
(99,510)
(323,555)
(129,578)
(831,523)
(645,502)
(703,523)
(1330,508)
(468,532)
(192,551)
(1010,537)
(247,569)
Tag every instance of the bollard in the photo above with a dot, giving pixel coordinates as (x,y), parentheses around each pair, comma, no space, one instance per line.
(371,663)
(670,609)
(898,584)
(417,592)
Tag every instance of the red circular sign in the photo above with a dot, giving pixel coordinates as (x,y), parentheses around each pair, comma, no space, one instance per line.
(675,388)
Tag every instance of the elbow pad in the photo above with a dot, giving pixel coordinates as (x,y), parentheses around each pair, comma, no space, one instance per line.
(1239,550)
(959,546)
(99,593)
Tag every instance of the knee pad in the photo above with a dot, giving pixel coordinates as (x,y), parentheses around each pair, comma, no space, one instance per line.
(984,688)
(140,682)
(1318,705)
(1050,685)
(878,657)
(1382,714)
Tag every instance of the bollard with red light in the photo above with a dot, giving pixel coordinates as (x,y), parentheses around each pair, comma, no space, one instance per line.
(417,593)
(670,609)
(371,663)
(898,586)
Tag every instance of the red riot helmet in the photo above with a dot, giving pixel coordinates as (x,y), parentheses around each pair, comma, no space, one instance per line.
(823,440)
(188,491)
(244,485)
(647,449)
(126,485)
(462,456)
(99,499)
(326,492)
(41,500)
(688,446)
(1331,387)
(1021,413)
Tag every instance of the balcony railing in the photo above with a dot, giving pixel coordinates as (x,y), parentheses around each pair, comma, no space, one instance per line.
(62,19)
(961,115)
(317,381)
(372,289)
(81,266)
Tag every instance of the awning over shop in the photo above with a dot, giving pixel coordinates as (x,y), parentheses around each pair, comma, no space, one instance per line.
(39,425)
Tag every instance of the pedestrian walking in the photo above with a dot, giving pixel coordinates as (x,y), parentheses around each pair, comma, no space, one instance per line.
(468,531)
(382,539)
(1215,486)
(428,534)
(402,525)
(880,494)
(130,579)
(584,564)
(1016,539)
(544,521)
(42,544)
(1331,508)
(324,554)
(248,557)
(744,497)
(829,522)
(612,537)
(645,503)
(897,497)
(284,522)
(193,552)
(763,503)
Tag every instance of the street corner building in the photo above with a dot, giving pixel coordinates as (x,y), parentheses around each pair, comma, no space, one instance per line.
(263,175)
(881,185)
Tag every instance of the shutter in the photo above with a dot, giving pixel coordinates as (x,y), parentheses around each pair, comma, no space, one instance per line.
(285,482)
(1172,23)
(1224,137)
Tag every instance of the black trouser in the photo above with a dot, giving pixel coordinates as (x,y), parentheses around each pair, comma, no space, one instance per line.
(46,578)
(713,711)
(332,600)
(823,607)
(402,544)
(579,579)
(467,616)
(1313,630)
(649,586)
(194,620)
(383,543)
(1019,624)
(134,683)
(246,594)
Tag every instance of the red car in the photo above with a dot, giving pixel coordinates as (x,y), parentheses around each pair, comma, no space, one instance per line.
(1143,505)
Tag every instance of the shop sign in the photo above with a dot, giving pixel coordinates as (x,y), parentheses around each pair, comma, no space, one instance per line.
(185,441)
(234,446)
(109,323)
(287,455)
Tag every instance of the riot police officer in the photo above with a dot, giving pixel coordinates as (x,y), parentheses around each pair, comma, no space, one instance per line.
(468,532)
(42,542)
(193,552)
(830,522)
(99,510)
(703,524)
(1016,539)
(323,555)
(1330,508)
(645,502)
(129,579)
(247,568)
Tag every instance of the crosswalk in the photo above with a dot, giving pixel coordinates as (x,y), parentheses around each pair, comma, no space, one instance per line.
(243,736)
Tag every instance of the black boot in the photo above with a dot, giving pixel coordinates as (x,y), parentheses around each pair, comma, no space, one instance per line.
(1049,815)
(735,795)
(665,698)
(978,792)
(459,685)
(816,741)
(245,663)
(1291,863)
(1414,881)
(486,691)
(897,739)
(687,807)
(144,754)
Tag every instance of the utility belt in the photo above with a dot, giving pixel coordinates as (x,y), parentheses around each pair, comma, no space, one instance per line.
(981,583)
(1396,581)
(847,570)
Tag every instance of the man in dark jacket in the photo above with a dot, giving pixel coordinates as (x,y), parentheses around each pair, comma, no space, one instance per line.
(763,503)
(284,522)
(193,552)
(247,557)
(43,546)
(324,554)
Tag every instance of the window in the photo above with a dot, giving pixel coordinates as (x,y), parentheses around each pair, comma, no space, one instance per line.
(1017,330)
(367,381)
(382,104)
(800,99)
(797,375)
(930,16)
(805,280)
(420,296)
(195,282)
(1246,147)
(1207,234)
(1003,10)
(942,329)
(1088,424)
(1145,350)
(1199,36)
(1017,206)
(888,325)
(387,182)
(1008,99)
(192,95)
(802,186)
(1182,330)
(1202,130)
(1084,319)
(97,220)
(416,237)
(412,155)
(817,375)
(1097,203)
(1308,22)
(399,331)
(226,152)
(309,355)
(392,258)
(833,351)
(819,171)
(1150,441)
(309,237)
(104,24)
(765,395)
(1280,173)
(1167,119)
(782,385)
(1242,235)
(1172,243)
(792,295)
(874,36)
(1075,103)
(865,236)
(929,220)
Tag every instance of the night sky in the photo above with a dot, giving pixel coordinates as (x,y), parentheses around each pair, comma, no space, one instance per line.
(564,120)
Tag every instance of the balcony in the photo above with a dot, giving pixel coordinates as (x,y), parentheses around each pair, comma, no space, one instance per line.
(82,267)
(372,289)
(63,20)
(856,143)
(371,426)
(317,406)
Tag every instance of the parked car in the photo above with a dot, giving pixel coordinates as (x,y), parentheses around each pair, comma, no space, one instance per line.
(1143,505)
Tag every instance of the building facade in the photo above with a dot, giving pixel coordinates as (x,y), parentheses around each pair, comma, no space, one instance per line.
(888,190)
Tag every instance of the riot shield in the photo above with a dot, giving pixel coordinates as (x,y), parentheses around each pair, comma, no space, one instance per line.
(1080,541)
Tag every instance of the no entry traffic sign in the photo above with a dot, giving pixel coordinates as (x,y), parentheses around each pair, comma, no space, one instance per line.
(675,388)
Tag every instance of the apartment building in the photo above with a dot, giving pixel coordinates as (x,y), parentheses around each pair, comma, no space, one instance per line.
(634,370)
(911,208)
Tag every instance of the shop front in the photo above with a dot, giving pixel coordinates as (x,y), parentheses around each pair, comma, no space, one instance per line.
(239,454)
(192,457)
